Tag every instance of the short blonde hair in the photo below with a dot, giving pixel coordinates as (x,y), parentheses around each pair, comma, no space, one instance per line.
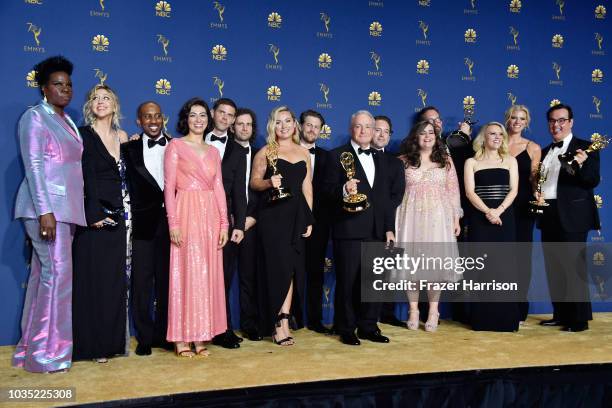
(90,118)
(515,108)
(272,123)
(479,142)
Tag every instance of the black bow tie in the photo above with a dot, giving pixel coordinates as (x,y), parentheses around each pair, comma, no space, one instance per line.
(160,141)
(222,139)
(312,150)
(558,144)
(366,151)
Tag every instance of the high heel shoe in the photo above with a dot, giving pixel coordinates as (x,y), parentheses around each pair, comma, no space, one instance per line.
(184,351)
(287,341)
(432,322)
(201,350)
(413,323)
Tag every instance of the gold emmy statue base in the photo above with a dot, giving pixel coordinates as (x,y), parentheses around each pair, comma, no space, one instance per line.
(277,193)
(357,202)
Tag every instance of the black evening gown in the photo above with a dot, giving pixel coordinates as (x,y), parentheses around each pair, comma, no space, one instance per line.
(492,185)
(99,294)
(524,229)
(280,226)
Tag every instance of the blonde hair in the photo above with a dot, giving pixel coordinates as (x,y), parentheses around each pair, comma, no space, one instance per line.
(515,108)
(272,123)
(90,118)
(479,143)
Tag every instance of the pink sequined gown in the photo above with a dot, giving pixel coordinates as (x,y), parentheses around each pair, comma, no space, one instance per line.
(426,213)
(195,203)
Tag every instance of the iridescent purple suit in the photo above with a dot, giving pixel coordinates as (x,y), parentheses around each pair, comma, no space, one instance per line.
(51,149)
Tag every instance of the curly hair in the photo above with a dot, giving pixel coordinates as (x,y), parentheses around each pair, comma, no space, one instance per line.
(45,68)
(182,127)
(411,152)
(90,118)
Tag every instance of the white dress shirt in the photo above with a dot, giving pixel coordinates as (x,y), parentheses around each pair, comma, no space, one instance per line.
(248,165)
(154,159)
(552,167)
(217,144)
(367,162)
(312,159)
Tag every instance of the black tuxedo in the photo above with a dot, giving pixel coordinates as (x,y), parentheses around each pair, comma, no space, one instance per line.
(397,185)
(150,247)
(349,230)
(568,219)
(233,169)
(247,264)
(316,245)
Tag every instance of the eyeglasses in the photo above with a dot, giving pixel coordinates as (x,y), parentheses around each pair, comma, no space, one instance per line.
(560,121)
(434,120)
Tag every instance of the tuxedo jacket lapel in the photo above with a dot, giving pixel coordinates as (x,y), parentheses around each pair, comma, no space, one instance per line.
(137,155)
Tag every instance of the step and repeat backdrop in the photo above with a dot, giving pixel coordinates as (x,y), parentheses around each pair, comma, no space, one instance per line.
(390,57)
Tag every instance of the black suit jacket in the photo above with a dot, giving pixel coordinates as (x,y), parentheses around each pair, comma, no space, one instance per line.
(397,180)
(233,169)
(575,201)
(254,196)
(102,182)
(147,198)
(320,204)
(370,223)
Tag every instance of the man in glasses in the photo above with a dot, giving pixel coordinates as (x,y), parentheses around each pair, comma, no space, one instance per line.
(571,214)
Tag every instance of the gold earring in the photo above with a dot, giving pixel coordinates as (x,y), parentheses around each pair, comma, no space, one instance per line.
(44,97)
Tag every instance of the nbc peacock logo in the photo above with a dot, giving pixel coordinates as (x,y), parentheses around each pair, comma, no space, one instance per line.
(515,6)
(469,102)
(423,67)
(374,98)
(163,9)
(219,53)
(325,61)
(31,79)
(557,41)
(36,2)
(274,93)
(597,76)
(598,199)
(600,12)
(376,29)
(274,20)
(163,87)
(326,132)
(470,36)
(100,43)
(512,71)
(599,259)
(554,102)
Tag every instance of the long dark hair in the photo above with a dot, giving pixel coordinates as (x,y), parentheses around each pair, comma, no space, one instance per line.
(411,152)
(182,127)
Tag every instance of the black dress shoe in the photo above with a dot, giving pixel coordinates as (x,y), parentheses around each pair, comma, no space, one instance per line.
(225,341)
(232,335)
(550,322)
(374,336)
(252,335)
(576,327)
(393,321)
(350,339)
(143,350)
(319,328)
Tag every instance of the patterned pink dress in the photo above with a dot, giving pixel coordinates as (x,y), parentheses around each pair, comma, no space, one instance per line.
(195,203)
(426,213)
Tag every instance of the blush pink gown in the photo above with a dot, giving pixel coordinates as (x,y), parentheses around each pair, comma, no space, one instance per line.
(425,218)
(195,203)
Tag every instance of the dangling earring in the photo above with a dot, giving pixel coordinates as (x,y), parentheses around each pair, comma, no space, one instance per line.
(44,97)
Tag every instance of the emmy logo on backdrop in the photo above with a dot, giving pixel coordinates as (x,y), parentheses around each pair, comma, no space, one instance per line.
(470,66)
(218,82)
(164,42)
(35,30)
(536,207)
(166,119)
(326,20)
(100,75)
(220,10)
(557,69)
(561,4)
(375,57)
(354,202)
(597,103)
(568,160)
(274,50)
(424,28)
(277,193)
(423,95)
(325,91)
(512,98)
(599,39)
